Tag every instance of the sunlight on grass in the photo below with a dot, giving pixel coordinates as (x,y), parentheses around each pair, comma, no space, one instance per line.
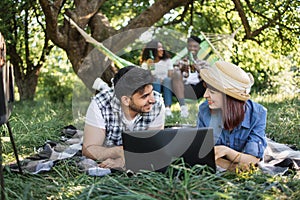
(275,98)
(191,120)
(283,119)
(35,122)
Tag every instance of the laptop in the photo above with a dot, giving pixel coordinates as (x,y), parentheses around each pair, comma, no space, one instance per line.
(155,150)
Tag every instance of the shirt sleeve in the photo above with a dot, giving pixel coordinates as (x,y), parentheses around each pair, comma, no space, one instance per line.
(170,64)
(257,143)
(93,116)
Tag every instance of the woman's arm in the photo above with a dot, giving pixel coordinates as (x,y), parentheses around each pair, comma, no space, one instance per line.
(228,158)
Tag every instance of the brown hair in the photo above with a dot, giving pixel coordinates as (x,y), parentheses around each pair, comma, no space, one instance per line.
(233,112)
(152,46)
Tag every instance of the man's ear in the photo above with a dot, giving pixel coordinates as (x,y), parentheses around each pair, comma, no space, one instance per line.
(125,100)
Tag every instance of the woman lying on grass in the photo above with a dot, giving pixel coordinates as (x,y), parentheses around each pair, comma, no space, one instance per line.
(239,123)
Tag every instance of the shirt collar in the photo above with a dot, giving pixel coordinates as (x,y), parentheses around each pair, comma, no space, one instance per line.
(246,121)
(116,104)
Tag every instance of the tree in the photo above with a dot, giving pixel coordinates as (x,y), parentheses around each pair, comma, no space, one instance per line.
(93,16)
(267,39)
(262,21)
(27,43)
(270,24)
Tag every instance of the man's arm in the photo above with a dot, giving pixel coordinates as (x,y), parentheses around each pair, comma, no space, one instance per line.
(93,147)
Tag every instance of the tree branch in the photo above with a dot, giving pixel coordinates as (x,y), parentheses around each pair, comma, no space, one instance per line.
(51,11)
(270,22)
(154,13)
(241,12)
(181,17)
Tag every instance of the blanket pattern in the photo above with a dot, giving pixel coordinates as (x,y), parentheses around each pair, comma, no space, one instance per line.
(278,158)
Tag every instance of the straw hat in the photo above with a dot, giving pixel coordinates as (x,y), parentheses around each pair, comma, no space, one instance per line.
(229,79)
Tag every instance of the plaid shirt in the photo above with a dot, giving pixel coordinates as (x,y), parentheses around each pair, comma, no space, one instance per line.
(110,108)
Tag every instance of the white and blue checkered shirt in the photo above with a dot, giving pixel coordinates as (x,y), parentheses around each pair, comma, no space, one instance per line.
(110,108)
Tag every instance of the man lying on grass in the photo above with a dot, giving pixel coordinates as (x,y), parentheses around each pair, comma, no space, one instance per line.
(130,105)
(239,123)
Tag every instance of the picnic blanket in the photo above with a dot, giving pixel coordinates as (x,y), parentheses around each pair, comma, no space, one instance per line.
(278,159)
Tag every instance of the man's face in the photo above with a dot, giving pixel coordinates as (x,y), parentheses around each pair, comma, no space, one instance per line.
(142,102)
(193,47)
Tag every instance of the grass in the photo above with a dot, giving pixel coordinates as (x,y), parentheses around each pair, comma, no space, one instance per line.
(35,122)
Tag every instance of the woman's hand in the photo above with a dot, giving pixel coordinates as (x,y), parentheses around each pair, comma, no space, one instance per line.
(222,151)
(228,158)
(150,64)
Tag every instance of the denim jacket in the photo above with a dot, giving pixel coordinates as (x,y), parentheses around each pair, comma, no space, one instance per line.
(249,137)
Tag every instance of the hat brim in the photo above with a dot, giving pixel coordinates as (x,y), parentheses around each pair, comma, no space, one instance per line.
(214,78)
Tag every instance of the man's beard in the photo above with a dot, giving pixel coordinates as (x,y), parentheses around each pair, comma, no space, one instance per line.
(135,108)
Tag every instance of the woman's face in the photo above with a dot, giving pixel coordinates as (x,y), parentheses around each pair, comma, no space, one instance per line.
(214,98)
(160,50)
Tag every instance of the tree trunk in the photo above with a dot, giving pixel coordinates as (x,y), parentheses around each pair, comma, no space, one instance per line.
(27,86)
(87,14)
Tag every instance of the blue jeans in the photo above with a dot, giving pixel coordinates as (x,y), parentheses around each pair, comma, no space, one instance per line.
(166,87)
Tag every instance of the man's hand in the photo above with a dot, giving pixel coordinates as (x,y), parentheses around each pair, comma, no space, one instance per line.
(118,163)
(150,64)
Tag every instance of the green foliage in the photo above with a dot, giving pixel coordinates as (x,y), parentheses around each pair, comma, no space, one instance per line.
(55,90)
(17,27)
(272,74)
(271,56)
(261,55)
(22,26)
(56,80)
(283,118)
(129,10)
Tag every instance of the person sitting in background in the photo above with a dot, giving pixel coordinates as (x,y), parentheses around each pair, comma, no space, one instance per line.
(186,80)
(155,58)
(130,105)
(238,123)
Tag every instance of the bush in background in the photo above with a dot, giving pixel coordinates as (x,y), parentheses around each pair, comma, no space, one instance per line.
(56,79)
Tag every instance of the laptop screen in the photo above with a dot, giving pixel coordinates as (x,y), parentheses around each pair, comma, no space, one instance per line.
(155,150)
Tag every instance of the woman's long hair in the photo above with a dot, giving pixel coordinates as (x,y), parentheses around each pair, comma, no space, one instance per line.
(152,46)
(233,112)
